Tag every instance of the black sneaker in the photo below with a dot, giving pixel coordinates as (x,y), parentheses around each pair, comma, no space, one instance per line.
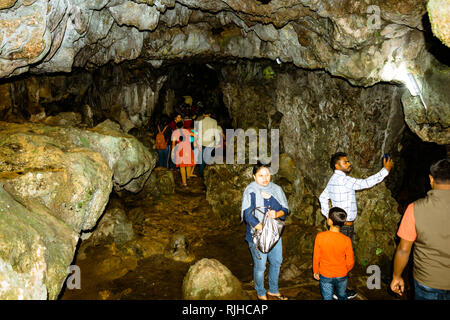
(351,294)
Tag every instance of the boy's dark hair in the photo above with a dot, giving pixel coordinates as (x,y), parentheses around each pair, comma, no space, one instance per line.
(179,124)
(440,171)
(338,216)
(335,158)
(260,165)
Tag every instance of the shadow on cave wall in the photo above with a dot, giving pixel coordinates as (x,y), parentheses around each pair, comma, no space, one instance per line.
(416,158)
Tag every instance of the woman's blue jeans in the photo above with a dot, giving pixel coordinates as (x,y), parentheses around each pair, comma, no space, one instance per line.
(328,286)
(423,292)
(163,157)
(275,257)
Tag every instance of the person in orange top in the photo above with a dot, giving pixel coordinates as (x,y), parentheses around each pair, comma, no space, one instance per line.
(333,257)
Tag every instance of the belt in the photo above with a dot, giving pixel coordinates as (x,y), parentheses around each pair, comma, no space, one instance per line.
(348,223)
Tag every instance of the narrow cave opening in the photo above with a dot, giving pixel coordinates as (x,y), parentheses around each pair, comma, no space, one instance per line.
(195,83)
(415,158)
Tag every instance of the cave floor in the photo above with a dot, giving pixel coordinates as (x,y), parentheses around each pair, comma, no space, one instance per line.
(159,277)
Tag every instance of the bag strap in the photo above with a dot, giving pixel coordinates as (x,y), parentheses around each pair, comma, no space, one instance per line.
(258,208)
(181,132)
(163,129)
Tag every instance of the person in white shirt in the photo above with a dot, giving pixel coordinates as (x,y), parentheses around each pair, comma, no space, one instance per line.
(341,191)
(208,139)
(341,188)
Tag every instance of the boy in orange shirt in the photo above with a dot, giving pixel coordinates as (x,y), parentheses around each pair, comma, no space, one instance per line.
(333,257)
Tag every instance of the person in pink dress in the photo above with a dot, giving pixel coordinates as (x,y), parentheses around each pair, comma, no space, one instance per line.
(182,154)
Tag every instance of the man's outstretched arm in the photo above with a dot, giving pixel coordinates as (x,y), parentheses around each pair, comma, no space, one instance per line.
(359,184)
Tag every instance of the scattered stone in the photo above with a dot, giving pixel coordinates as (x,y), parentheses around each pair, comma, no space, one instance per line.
(208,279)
(178,249)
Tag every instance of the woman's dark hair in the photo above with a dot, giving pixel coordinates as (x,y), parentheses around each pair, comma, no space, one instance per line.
(335,158)
(338,216)
(440,171)
(260,165)
(164,120)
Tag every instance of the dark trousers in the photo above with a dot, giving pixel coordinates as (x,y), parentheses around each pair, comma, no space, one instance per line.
(348,231)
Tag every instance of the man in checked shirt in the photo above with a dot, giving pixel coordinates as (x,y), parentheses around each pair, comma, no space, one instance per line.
(341,190)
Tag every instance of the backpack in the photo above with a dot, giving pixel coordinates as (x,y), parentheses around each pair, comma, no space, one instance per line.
(161,143)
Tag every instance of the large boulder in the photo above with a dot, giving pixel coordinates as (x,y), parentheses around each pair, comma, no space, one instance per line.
(55,183)
(36,249)
(130,161)
(208,279)
(40,166)
(439,13)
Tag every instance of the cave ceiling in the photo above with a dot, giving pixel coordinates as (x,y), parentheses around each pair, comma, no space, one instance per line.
(365,42)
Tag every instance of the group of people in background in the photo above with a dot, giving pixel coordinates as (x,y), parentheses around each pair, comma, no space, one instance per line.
(185,147)
(426,224)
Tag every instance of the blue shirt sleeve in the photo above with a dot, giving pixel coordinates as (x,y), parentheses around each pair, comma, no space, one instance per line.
(248,216)
(275,205)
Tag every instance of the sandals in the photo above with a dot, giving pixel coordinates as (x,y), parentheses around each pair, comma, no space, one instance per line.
(275,297)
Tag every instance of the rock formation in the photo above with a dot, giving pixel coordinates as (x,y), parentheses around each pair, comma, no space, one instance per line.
(55,183)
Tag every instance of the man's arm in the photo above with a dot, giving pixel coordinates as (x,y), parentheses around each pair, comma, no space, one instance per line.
(400,261)
(359,184)
(324,205)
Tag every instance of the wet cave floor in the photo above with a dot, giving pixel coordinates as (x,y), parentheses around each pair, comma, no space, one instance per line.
(158,277)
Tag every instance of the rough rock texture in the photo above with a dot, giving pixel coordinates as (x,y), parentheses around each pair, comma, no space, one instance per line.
(113,224)
(52,190)
(439,13)
(53,186)
(41,166)
(431,122)
(208,279)
(36,249)
(365,43)
(178,249)
(161,181)
(126,156)
(125,94)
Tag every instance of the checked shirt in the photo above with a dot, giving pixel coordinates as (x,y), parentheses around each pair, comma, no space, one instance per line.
(341,191)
